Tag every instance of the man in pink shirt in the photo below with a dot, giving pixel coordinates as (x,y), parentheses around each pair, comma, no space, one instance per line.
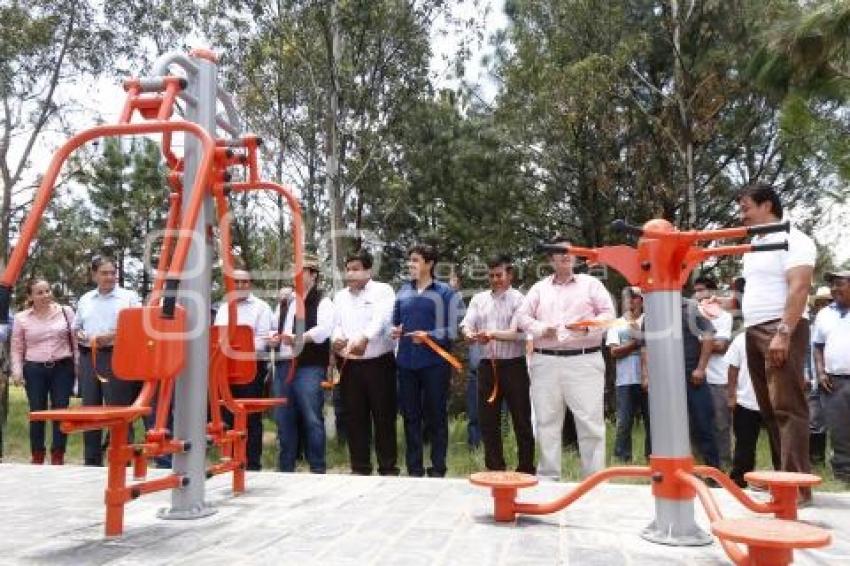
(567,368)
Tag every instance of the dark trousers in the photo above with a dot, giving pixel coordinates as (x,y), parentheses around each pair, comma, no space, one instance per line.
(111,391)
(423,393)
(837,404)
(701,417)
(43,383)
(781,394)
(746,425)
(302,417)
(631,400)
(514,390)
(253,390)
(368,390)
(473,425)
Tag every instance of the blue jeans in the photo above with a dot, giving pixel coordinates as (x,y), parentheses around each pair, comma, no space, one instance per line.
(306,400)
(701,416)
(41,383)
(423,393)
(631,399)
(473,428)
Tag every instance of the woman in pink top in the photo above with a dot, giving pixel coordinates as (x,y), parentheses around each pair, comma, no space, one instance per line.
(43,360)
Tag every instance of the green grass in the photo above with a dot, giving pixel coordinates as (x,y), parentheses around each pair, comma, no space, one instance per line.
(461,460)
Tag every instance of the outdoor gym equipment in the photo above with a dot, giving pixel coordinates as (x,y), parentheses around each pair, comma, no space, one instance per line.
(166,345)
(660,265)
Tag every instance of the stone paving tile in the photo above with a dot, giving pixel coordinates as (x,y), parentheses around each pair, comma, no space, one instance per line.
(54,516)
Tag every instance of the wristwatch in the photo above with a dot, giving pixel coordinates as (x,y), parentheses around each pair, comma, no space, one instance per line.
(783,328)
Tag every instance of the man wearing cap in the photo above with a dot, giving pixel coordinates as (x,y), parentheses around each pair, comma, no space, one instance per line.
(832,363)
(774,303)
(817,418)
(311,354)
(256,313)
(624,341)
(567,368)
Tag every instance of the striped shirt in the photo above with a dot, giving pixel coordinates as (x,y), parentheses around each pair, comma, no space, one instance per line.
(41,339)
(557,304)
(97,313)
(490,311)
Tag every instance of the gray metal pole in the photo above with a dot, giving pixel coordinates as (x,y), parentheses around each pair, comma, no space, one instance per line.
(190,399)
(668,409)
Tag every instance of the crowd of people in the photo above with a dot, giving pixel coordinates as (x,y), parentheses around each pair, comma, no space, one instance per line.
(755,357)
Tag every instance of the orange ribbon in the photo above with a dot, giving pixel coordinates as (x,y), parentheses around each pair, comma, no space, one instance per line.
(588,324)
(453,361)
(93,348)
(495,392)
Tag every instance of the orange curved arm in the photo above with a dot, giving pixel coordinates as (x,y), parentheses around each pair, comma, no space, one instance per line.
(45,189)
(226,257)
(589,483)
(737,492)
(297,233)
(732,550)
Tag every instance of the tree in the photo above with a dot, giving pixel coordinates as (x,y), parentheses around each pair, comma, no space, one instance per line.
(44,46)
(128,193)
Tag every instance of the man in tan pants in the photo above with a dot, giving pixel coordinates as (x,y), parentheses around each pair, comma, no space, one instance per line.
(567,368)
(774,302)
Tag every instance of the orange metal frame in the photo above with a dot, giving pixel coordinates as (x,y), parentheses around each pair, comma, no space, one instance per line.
(663,261)
(225,371)
(156,328)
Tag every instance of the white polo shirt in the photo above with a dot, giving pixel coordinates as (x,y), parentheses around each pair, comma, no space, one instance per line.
(736,356)
(367,313)
(832,331)
(765,272)
(716,373)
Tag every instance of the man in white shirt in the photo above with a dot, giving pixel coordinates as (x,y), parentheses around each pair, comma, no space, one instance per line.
(624,341)
(364,350)
(312,358)
(746,417)
(502,373)
(716,372)
(774,305)
(256,313)
(832,363)
(95,323)
(567,369)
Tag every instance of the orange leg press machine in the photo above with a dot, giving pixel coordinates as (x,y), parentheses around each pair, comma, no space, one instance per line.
(168,344)
(661,264)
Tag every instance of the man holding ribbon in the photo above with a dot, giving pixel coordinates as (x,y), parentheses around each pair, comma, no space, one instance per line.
(490,321)
(94,325)
(566,313)
(425,316)
(364,350)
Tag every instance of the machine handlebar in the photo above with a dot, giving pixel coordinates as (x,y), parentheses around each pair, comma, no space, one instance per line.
(622,227)
(5,301)
(769,247)
(769,228)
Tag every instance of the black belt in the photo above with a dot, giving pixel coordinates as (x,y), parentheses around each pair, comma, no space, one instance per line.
(578,352)
(51,363)
(503,361)
(87,350)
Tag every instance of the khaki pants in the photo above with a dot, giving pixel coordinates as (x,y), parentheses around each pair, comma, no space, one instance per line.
(781,395)
(577,382)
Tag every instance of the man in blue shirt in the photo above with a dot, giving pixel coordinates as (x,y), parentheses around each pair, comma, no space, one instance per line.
(424,308)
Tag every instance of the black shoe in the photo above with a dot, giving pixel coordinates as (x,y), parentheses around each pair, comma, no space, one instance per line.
(432,473)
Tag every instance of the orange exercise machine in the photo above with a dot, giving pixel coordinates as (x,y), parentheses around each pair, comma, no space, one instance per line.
(167,345)
(661,264)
